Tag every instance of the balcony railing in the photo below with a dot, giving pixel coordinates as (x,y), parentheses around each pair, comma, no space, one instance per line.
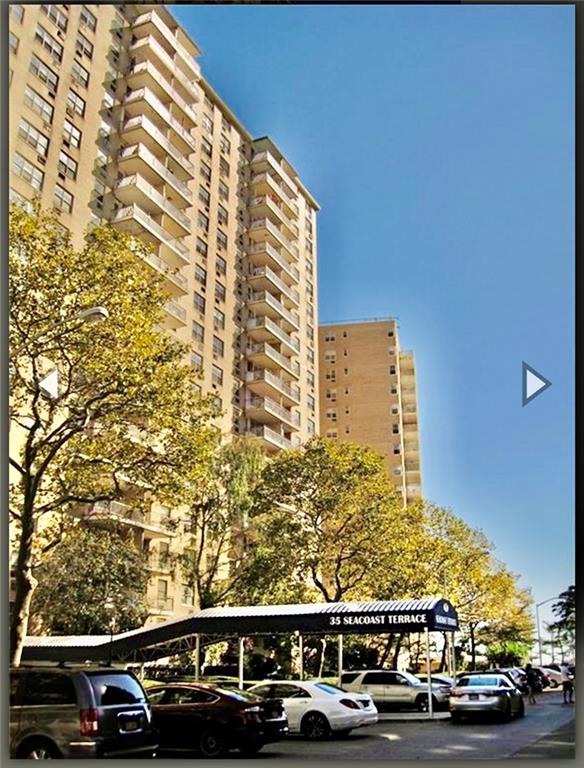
(277,257)
(169,89)
(135,180)
(267,349)
(291,293)
(267,298)
(267,157)
(273,407)
(275,232)
(153,18)
(272,327)
(143,219)
(273,206)
(292,390)
(272,181)
(164,604)
(141,121)
(161,266)
(271,436)
(151,42)
(141,151)
(176,311)
(128,514)
(145,94)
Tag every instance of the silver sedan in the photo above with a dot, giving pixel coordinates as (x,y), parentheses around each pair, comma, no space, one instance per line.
(495,693)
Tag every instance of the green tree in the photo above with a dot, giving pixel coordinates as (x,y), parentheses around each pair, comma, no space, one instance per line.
(565,611)
(127,414)
(94,575)
(215,561)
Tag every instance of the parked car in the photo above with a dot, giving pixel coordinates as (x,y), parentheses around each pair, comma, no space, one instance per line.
(518,680)
(486,692)
(318,709)
(439,679)
(396,689)
(554,677)
(212,720)
(79,712)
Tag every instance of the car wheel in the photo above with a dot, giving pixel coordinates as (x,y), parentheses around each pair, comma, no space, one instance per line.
(39,749)
(455,718)
(211,744)
(315,726)
(521,708)
(506,713)
(422,703)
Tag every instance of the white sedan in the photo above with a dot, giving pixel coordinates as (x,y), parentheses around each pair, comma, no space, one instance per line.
(318,709)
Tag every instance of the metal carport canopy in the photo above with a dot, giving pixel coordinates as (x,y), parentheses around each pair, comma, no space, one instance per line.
(164,639)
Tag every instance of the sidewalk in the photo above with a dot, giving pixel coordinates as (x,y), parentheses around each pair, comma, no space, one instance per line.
(391,717)
(560,744)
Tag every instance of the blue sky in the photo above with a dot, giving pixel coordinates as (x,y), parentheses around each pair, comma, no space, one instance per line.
(439,142)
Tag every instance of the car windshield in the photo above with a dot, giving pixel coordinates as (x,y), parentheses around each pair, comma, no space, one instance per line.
(235,693)
(115,688)
(328,688)
(478,680)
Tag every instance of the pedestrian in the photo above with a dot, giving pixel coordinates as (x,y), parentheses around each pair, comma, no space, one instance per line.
(567,684)
(532,683)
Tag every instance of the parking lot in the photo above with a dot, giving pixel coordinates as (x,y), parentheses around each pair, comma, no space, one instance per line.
(426,740)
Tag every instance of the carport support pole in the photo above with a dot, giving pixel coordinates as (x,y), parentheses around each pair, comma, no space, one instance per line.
(197,657)
(301,656)
(340,659)
(240,683)
(429,673)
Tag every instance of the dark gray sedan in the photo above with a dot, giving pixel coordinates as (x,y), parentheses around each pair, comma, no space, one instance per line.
(489,693)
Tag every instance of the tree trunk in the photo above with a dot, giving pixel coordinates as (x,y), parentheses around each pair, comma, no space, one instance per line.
(25,584)
(397,650)
(386,651)
(473,661)
(322,653)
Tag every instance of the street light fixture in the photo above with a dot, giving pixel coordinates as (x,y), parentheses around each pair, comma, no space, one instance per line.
(543,602)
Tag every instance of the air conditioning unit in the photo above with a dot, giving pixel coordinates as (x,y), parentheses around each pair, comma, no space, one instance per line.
(42,159)
(70,111)
(66,143)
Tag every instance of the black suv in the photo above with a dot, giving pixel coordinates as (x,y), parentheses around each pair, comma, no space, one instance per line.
(79,712)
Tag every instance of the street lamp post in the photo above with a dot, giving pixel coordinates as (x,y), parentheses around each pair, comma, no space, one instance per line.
(543,602)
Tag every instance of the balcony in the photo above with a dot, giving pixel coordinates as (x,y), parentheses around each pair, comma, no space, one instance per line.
(145,74)
(266,384)
(135,189)
(264,205)
(266,162)
(138,159)
(150,23)
(264,278)
(268,357)
(163,606)
(148,49)
(272,441)
(264,409)
(264,183)
(264,254)
(175,316)
(264,329)
(264,304)
(175,283)
(156,563)
(134,220)
(260,229)
(143,101)
(127,515)
(141,129)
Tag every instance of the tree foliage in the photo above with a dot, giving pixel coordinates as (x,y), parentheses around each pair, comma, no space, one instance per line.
(90,577)
(127,414)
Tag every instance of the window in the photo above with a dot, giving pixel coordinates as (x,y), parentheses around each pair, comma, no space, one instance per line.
(331,394)
(222,215)
(75,103)
(199,302)
(330,375)
(219,291)
(83,46)
(223,167)
(309,267)
(204,196)
(220,265)
(80,74)
(197,361)
(394,409)
(13,42)
(49,43)
(395,429)
(347,430)
(217,375)
(207,124)
(225,145)
(310,427)
(221,239)
(198,331)
(310,379)
(331,414)
(346,371)
(310,332)
(396,450)
(200,274)
(67,166)
(310,355)
(203,221)
(38,141)
(223,190)
(44,73)
(48,688)
(218,347)
(347,390)
(225,126)
(393,389)
(87,19)
(218,319)
(330,357)
(390,333)
(206,147)
(311,402)
(391,351)
(392,370)
(397,471)
(205,171)
(201,247)
(62,199)
(208,104)
(15,197)
(71,134)
(56,16)
(17,12)
(331,434)
(188,598)
(27,171)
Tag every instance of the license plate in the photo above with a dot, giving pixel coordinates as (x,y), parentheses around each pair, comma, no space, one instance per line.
(131,725)
(473,696)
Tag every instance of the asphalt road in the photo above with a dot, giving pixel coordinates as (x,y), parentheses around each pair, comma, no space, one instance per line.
(543,732)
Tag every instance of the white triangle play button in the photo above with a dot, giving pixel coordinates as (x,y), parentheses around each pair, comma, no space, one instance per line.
(533,383)
(49,386)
